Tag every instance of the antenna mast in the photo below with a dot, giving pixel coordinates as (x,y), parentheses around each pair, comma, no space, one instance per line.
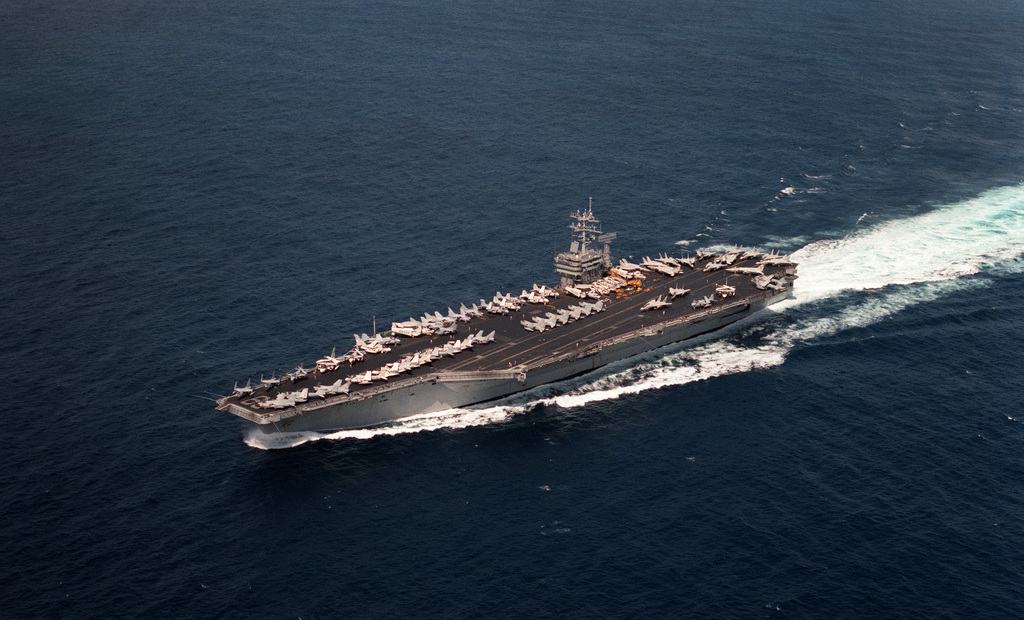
(581,264)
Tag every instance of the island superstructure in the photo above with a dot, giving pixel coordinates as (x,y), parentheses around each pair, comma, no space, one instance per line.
(600,313)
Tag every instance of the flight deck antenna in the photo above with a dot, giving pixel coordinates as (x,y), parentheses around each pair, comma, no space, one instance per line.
(583,264)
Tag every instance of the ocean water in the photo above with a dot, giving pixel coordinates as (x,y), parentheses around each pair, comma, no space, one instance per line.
(199,193)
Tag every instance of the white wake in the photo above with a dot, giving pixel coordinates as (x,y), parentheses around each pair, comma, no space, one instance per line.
(913,260)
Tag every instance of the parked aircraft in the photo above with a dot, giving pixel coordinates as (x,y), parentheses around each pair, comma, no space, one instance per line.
(704,302)
(338,387)
(410,328)
(725,290)
(660,267)
(328,362)
(370,345)
(656,304)
(362,378)
(298,374)
(483,339)
(749,271)
(283,400)
(764,281)
(245,390)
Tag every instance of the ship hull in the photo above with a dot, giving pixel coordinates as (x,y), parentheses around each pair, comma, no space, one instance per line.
(390,403)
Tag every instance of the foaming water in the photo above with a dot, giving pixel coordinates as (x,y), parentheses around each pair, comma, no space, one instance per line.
(448,419)
(934,251)
(944,244)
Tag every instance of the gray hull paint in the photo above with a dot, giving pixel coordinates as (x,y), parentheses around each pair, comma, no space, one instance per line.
(403,399)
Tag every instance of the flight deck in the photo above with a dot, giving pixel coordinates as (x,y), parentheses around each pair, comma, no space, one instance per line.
(600,313)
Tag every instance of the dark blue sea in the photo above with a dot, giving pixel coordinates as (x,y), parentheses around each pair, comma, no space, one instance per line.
(195,193)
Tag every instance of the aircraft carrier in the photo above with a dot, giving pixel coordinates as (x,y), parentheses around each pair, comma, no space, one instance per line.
(600,313)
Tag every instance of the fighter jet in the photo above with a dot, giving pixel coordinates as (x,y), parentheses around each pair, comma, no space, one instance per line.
(656,304)
(482,339)
(749,271)
(273,381)
(533,297)
(776,284)
(667,270)
(774,258)
(731,255)
(264,403)
(720,262)
(384,374)
(245,390)
(473,310)
(660,267)
(410,328)
(542,293)
(725,290)
(576,292)
(457,316)
(763,282)
(619,273)
(386,339)
(433,323)
(689,262)
(668,260)
(362,378)
(704,302)
(538,324)
(507,301)
(628,266)
(338,387)
(447,329)
(328,363)
(370,345)
(495,308)
(298,374)
(677,292)
(283,401)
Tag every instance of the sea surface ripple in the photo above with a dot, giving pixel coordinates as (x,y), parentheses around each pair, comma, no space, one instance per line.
(198,193)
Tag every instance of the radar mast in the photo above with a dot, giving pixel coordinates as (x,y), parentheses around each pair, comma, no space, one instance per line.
(582,264)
